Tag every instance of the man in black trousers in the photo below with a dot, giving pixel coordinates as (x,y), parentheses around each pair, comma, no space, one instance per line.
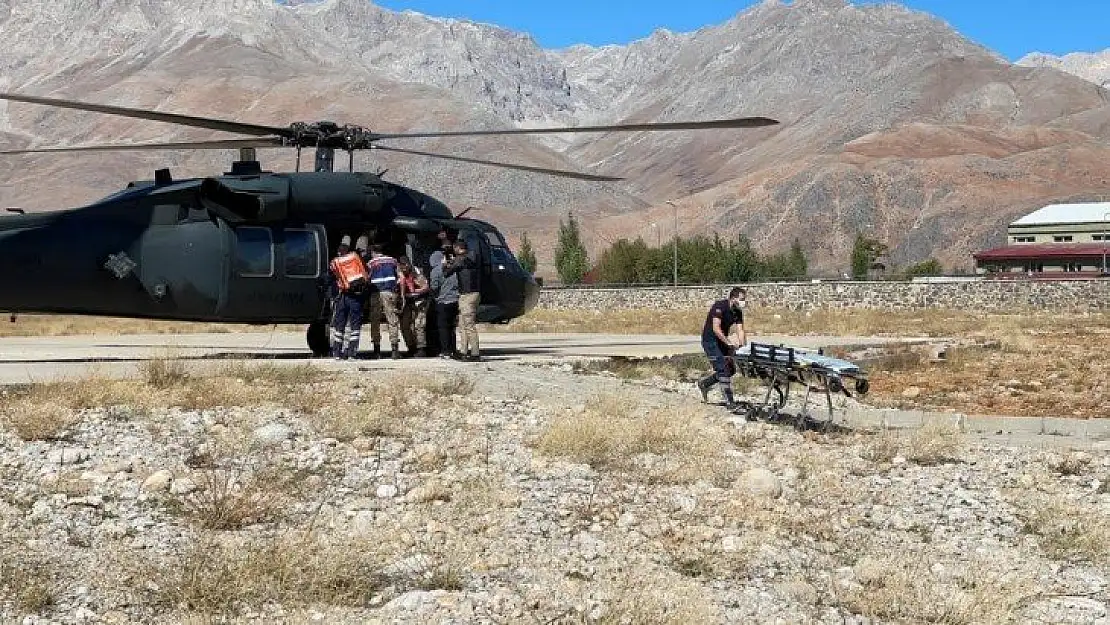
(446,291)
(725,317)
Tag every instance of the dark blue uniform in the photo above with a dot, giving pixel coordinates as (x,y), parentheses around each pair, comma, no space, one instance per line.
(717,350)
(346,320)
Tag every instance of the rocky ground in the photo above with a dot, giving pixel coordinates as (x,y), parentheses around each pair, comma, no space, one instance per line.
(512,493)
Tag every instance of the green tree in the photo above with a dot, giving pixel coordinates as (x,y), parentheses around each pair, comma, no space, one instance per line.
(527,256)
(931,267)
(864,252)
(571,260)
(798,265)
(618,263)
(742,261)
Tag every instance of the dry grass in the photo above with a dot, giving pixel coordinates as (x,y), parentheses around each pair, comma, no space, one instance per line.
(614,433)
(231,499)
(1070,464)
(903,588)
(656,598)
(26,581)
(216,576)
(38,419)
(771,320)
(938,441)
(63,325)
(388,405)
(1066,530)
(161,384)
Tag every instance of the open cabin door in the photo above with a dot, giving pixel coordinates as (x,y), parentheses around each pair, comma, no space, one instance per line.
(276,273)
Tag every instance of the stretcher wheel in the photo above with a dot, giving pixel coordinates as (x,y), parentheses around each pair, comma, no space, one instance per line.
(862,386)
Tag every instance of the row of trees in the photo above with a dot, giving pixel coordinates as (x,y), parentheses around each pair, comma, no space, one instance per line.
(701,260)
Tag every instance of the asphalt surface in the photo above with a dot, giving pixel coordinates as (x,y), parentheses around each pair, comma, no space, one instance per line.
(38,359)
(26,360)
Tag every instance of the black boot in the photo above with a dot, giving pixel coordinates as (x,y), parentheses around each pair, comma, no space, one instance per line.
(377,353)
(730,401)
(705,384)
(396,355)
(421,353)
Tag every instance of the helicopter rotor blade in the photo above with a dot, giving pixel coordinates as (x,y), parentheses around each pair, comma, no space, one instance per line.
(219,144)
(742,122)
(538,170)
(170,118)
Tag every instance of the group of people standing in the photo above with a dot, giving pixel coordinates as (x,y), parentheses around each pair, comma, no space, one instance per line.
(366,280)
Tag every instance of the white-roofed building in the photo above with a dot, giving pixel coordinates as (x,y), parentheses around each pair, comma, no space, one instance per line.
(1063,223)
(1058,240)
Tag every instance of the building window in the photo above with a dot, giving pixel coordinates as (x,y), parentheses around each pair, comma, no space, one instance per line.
(1073,267)
(1025,239)
(1100,237)
(254,252)
(302,253)
(1062,238)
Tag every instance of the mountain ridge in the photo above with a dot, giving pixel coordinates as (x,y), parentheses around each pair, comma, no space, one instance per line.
(1091,66)
(836,74)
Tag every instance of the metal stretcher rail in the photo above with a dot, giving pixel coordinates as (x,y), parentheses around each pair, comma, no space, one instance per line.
(780,367)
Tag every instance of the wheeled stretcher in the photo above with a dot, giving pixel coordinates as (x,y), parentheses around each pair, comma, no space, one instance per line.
(780,367)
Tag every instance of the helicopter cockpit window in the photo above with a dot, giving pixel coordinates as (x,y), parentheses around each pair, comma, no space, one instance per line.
(499,251)
(495,239)
(254,252)
(302,253)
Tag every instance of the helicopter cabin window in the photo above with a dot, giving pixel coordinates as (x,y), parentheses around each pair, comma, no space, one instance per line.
(302,253)
(254,252)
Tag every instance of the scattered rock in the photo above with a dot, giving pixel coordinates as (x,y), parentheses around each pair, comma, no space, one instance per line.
(158,481)
(760,482)
(912,392)
(273,434)
(182,486)
(387,491)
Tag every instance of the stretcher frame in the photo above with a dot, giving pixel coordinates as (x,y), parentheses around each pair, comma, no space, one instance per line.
(780,367)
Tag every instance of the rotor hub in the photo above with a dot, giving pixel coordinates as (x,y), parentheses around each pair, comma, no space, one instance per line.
(327,134)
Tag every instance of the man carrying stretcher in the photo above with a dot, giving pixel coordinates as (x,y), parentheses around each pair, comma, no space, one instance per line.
(721,335)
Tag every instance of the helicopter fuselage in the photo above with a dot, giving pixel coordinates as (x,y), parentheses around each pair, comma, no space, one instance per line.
(250,248)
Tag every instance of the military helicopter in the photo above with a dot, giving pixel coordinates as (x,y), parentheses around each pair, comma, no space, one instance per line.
(253,246)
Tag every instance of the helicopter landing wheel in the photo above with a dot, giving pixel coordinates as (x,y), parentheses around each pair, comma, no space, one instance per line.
(317,337)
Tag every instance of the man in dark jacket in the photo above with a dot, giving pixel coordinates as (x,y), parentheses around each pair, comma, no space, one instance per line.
(722,333)
(464,266)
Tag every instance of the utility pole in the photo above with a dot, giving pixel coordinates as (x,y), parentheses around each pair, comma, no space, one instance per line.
(676,241)
(1104,219)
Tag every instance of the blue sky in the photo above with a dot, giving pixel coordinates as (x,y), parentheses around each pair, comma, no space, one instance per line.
(1011,27)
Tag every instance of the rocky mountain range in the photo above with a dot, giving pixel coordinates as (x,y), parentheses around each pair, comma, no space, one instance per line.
(892,123)
(1092,66)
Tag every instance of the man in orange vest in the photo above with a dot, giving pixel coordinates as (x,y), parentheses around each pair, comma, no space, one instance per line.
(349,288)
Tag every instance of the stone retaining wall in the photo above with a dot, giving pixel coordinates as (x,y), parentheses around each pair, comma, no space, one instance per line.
(984,295)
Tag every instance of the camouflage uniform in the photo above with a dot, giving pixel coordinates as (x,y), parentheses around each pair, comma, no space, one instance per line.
(383,304)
